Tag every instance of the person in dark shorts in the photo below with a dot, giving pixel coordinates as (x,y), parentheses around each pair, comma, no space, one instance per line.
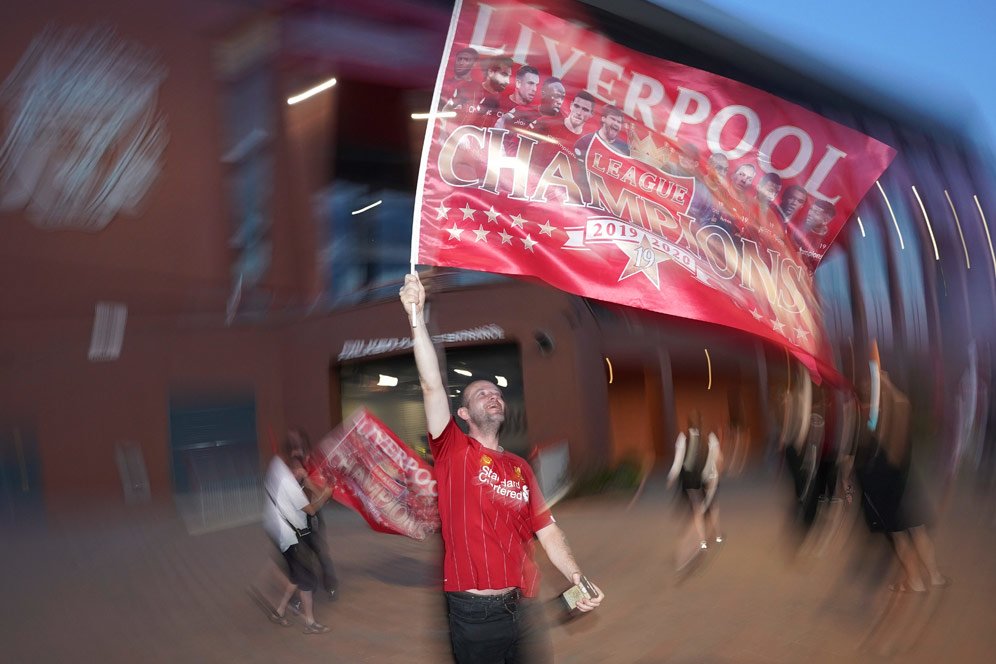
(314,484)
(697,463)
(285,519)
(892,500)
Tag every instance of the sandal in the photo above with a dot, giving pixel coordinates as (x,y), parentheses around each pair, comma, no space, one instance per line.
(315,628)
(945,582)
(279,619)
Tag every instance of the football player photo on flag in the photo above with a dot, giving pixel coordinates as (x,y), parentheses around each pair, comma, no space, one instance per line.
(558,154)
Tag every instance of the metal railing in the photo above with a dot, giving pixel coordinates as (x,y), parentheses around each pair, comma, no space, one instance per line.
(225,489)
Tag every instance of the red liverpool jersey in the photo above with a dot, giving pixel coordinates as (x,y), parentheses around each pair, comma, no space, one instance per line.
(490,506)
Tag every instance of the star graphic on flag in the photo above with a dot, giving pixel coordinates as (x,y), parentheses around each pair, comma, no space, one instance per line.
(801,334)
(442,211)
(517,220)
(505,238)
(482,235)
(756,314)
(547,228)
(454,232)
(528,242)
(779,327)
(492,215)
(642,258)
(467,211)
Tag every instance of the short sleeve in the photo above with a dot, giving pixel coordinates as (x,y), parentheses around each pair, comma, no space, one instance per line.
(441,444)
(295,496)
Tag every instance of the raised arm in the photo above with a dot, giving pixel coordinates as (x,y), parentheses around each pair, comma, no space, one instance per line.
(437,404)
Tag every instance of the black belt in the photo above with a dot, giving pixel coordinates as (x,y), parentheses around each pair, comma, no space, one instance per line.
(515,594)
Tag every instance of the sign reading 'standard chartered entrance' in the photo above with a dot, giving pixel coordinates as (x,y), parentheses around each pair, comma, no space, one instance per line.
(559,154)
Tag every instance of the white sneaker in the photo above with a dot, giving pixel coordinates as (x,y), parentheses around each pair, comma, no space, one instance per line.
(719,539)
(703,545)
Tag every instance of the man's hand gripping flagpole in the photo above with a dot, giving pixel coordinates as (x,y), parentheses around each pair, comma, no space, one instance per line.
(414,317)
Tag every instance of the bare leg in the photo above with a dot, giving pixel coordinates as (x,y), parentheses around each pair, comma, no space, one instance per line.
(698,513)
(288,593)
(270,586)
(712,511)
(690,544)
(714,522)
(925,549)
(908,559)
(308,606)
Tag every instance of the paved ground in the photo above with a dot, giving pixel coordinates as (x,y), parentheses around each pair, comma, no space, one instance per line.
(136,587)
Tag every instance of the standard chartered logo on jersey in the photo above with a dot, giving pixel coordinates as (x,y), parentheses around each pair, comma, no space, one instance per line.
(82,136)
(514,489)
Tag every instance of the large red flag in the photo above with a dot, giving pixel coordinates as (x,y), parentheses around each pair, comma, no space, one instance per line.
(559,154)
(376,474)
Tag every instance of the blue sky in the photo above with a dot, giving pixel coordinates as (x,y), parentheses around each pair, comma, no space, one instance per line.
(936,56)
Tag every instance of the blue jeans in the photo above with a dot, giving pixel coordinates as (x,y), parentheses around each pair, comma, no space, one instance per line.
(497,629)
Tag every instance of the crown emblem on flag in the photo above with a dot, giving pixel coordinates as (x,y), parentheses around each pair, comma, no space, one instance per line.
(645,150)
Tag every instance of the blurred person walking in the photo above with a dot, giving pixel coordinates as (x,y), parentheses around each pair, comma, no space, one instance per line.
(285,520)
(490,507)
(891,497)
(314,485)
(697,465)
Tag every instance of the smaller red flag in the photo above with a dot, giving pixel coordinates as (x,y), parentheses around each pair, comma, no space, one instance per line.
(377,475)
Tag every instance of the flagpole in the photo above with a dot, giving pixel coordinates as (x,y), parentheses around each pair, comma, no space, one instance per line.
(427,143)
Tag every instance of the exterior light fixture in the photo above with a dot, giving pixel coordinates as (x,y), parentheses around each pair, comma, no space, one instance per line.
(930,229)
(368,207)
(968,261)
(895,222)
(708,368)
(321,87)
(426,116)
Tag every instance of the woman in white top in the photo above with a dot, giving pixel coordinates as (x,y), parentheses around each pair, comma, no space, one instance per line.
(285,520)
(698,469)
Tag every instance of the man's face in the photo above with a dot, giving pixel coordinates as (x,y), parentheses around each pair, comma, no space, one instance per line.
(553,98)
(719,164)
(499,77)
(485,404)
(743,177)
(525,87)
(768,190)
(581,112)
(818,220)
(794,200)
(611,126)
(463,64)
